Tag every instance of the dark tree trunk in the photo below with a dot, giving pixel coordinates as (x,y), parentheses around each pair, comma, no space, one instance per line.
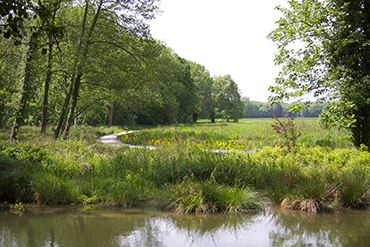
(110,116)
(25,88)
(46,90)
(65,110)
(73,106)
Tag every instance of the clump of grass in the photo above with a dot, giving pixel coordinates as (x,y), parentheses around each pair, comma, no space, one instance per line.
(15,177)
(209,197)
(309,205)
(52,189)
(355,187)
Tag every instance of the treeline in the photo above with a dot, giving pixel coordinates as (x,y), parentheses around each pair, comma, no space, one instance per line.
(257,109)
(95,63)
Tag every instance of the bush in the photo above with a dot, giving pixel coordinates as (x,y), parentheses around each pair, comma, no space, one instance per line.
(15,180)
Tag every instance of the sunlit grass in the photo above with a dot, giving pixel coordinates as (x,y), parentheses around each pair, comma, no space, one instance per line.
(248,134)
(323,170)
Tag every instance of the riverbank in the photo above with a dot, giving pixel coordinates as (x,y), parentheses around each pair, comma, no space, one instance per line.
(183,176)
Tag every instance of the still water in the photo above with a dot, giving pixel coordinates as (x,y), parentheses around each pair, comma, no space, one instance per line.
(86,226)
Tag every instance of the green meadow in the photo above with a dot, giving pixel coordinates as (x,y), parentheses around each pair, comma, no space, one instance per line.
(322,172)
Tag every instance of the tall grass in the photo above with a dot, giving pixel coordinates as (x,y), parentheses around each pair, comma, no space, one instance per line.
(183,176)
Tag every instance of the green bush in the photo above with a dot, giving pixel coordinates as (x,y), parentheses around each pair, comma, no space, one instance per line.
(15,180)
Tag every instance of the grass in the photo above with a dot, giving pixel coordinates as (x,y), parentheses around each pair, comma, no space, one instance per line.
(181,175)
(247,134)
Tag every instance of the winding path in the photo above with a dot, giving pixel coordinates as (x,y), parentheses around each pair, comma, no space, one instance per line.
(111,139)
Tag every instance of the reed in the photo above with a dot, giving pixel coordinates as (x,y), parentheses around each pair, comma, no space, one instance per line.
(183,176)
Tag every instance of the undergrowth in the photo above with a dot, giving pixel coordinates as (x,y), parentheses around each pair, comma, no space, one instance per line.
(183,177)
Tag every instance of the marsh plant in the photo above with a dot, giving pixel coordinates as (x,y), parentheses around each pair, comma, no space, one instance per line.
(183,177)
(209,197)
(287,130)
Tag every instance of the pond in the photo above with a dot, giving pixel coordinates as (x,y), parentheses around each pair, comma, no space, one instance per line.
(99,226)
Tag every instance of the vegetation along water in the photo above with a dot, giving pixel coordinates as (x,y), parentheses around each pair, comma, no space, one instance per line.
(321,172)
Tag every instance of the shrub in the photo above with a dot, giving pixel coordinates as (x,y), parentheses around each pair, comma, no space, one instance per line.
(15,180)
(287,130)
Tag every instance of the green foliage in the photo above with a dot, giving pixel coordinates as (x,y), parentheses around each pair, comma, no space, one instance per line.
(287,130)
(204,85)
(209,197)
(15,180)
(331,61)
(256,109)
(52,188)
(185,177)
(93,61)
(228,104)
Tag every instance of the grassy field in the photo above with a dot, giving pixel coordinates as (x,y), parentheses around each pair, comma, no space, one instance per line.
(321,172)
(247,134)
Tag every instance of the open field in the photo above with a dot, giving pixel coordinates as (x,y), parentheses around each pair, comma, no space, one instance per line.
(322,171)
(247,134)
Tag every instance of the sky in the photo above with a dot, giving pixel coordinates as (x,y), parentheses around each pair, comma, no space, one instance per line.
(227,37)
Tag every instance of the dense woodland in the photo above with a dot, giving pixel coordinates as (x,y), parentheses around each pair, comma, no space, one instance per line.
(83,63)
(87,63)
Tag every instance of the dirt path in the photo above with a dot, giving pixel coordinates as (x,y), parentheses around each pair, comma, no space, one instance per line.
(111,139)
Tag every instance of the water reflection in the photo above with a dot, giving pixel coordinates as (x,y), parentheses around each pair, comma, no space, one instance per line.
(342,228)
(66,226)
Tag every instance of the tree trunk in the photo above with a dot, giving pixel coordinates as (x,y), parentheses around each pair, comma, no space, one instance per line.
(73,106)
(46,90)
(24,91)
(110,117)
(65,110)
(82,51)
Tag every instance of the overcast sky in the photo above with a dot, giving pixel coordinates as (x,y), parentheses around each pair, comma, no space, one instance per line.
(227,37)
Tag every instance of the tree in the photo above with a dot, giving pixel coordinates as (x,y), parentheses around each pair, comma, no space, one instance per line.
(332,60)
(128,16)
(203,83)
(172,98)
(24,22)
(251,109)
(227,99)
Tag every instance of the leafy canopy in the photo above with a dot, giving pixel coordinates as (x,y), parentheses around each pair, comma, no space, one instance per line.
(324,50)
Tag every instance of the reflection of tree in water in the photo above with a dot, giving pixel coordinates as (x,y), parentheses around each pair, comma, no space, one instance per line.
(148,234)
(66,228)
(213,226)
(211,223)
(297,228)
(171,230)
(144,228)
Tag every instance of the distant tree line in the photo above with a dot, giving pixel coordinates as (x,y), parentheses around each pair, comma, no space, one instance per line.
(257,109)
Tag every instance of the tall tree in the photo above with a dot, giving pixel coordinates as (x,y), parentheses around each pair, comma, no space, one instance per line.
(204,84)
(51,40)
(332,60)
(186,94)
(25,22)
(129,15)
(227,99)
